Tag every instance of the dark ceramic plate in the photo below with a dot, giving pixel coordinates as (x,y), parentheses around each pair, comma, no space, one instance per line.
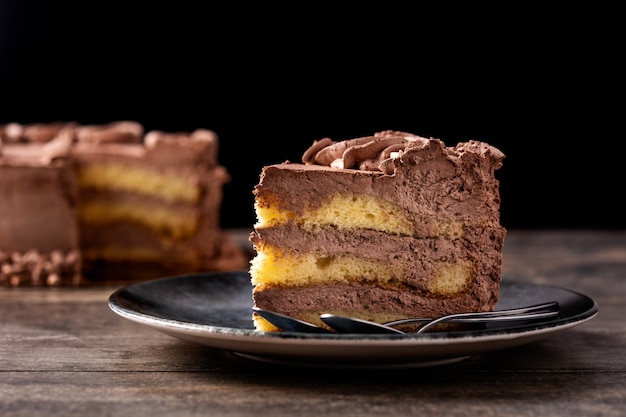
(214,309)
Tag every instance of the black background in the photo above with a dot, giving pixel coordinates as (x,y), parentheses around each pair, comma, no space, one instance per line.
(544,86)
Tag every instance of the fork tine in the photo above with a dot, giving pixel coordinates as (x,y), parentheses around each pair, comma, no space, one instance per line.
(535,312)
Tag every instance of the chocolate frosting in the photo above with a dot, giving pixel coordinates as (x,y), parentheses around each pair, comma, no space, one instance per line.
(42,144)
(114,132)
(380,151)
(370,153)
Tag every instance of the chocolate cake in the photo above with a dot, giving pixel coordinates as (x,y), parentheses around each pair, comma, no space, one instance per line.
(97,203)
(379,228)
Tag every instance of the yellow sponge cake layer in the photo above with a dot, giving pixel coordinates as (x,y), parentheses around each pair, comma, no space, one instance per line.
(451,278)
(168,222)
(127,178)
(353,212)
(341,210)
(274,267)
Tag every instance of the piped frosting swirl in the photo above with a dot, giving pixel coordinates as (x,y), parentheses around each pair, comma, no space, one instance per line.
(369,153)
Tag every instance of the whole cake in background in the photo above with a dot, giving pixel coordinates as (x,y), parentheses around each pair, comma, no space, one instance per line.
(380,228)
(94,203)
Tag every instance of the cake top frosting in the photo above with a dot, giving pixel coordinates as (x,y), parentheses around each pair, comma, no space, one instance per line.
(43,143)
(378,152)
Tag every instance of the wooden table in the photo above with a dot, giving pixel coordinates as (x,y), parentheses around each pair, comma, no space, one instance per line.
(64,352)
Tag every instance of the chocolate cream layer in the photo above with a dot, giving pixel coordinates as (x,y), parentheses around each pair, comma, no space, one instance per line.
(370,302)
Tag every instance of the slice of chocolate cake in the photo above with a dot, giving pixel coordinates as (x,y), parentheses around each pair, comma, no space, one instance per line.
(379,228)
(110,203)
